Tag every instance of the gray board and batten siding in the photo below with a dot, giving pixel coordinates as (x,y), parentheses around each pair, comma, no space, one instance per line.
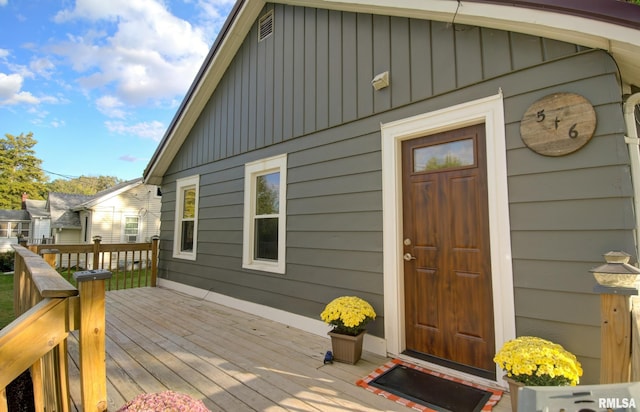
(306,91)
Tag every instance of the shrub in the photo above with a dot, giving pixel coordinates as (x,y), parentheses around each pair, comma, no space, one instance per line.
(6,261)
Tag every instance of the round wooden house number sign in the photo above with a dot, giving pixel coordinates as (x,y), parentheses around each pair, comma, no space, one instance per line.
(558,124)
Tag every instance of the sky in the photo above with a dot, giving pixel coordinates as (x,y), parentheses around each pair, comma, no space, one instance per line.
(98,82)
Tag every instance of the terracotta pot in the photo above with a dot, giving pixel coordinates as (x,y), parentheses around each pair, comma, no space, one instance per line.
(346,348)
(513,391)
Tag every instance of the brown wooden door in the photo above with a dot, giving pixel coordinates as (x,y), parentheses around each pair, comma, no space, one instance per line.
(447,271)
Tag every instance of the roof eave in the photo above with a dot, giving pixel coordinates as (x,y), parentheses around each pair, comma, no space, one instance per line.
(108,195)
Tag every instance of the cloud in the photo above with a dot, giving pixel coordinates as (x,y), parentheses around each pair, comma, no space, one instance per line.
(130,158)
(56,123)
(213,15)
(149,130)
(138,48)
(11,84)
(3,2)
(111,106)
(43,67)
(10,93)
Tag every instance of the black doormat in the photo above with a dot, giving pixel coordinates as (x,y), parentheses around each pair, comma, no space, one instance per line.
(415,386)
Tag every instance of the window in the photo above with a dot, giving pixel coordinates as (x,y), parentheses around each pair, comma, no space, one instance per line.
(131,228)
(265,183)
(14,229)
(24,229)
(186,225)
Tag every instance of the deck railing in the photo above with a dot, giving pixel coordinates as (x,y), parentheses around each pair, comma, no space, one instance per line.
(132,264)
(48,307)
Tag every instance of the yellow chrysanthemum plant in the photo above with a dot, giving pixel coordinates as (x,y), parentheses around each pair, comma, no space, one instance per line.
(348,315)
(538,362)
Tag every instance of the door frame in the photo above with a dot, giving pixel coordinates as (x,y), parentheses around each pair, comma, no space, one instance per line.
(490,111)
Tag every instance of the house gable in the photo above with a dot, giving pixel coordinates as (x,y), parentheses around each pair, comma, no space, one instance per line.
(293,83)
(612,28)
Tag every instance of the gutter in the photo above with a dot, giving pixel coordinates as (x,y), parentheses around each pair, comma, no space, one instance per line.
(633,143)
(616,12)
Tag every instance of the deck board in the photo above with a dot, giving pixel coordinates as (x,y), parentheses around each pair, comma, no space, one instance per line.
(159,339)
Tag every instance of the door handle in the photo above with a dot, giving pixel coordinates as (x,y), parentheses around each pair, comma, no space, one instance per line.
(408,257)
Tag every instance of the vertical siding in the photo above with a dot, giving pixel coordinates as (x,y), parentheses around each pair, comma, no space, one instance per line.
(315,72)
(306,91)
(349,74)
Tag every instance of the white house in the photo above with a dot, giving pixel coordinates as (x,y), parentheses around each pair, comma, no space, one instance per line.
(127,212)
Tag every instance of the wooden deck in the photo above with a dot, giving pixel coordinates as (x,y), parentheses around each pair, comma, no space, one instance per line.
(158,339)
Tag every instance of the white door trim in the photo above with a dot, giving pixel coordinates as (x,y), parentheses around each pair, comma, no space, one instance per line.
(489,111)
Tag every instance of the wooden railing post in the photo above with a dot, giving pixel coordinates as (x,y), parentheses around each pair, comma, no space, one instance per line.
(615,333)
(19,275)
(635,338)
(93,372)
(49,256)
(96,251)
(155,240)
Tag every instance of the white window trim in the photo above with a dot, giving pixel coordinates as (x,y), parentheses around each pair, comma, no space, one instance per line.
(125,236)
(181,184)
(251,171)
(490,111)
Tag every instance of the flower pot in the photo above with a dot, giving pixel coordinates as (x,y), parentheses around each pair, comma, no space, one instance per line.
(513,391)
(346,348)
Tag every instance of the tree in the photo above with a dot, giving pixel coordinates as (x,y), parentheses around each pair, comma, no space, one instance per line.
(83,185)
(20,171)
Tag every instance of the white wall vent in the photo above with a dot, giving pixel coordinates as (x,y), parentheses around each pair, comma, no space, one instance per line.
(265,26)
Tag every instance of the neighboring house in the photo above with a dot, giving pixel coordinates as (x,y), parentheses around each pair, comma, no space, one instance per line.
(66,227)
(40,221)
(127,212)
(288,180)
(13,224)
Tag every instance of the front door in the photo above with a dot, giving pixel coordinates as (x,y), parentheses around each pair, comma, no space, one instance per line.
(447,270)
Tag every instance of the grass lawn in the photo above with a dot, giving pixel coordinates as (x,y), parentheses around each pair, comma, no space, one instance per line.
(6,299)
(6,290)
(119,280)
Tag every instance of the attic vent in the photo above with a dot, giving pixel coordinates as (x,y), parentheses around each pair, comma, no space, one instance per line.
(265,26)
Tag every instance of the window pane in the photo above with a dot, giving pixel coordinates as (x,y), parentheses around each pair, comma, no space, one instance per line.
(267,194)
(444,156)
(266,239)
(14,229)
(186,243)
(189,205)
(131,226)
